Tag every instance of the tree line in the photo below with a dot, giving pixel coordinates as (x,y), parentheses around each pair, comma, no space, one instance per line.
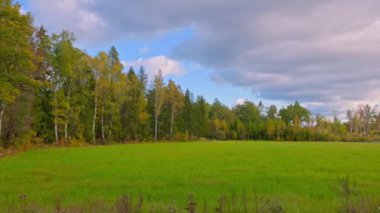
(54,92)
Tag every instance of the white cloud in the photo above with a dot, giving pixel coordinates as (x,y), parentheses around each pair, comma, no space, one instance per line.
(23,11)
(154,64)
(240,101)
(72,15)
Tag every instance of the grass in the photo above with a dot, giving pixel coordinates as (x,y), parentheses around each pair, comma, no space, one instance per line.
(298,175)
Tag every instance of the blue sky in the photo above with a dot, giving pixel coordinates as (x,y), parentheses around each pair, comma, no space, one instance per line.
(322,53)
(196,78)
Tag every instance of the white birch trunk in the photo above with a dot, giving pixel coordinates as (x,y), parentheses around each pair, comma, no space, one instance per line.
(155,117)
(155,128)
(66,132)
(171,123)
(1,117)
(67,115)
(110,132)
(94,120)
(103,138)
(55,118)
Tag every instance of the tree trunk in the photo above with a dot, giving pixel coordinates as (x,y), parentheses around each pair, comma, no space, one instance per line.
(55,119)
(94,120)
(1,117)
(111,126)
(156,117)
(171,123)
(155,128)
(66,132)
(67,115)
(136,137)
(103,138)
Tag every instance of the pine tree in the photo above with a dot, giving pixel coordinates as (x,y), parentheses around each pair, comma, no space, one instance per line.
(200,111)
(188,113)
(134,115)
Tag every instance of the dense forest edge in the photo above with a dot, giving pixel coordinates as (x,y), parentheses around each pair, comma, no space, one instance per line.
(52,92)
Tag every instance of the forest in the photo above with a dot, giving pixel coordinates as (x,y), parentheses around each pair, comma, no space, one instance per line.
(52,92)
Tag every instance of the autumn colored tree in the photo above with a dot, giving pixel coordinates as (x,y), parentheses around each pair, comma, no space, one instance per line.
(16,56)
(159,98)
(175,99)
(52,91)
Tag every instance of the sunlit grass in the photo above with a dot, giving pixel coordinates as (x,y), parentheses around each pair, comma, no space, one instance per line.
(298,175)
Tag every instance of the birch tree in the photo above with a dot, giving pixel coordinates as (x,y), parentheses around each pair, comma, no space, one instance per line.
(101,88)
(110,87)
(117,85)
(159,94)
(64,62)
(97,66)
(175,99)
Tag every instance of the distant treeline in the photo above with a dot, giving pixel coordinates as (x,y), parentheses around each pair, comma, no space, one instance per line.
(53,92)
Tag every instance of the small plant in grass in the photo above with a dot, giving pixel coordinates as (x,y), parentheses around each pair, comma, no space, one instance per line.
(221,205)
(58,205)
(346,190)
(204,206)
(24,205)
(191,205)
(125,204)
(351,201)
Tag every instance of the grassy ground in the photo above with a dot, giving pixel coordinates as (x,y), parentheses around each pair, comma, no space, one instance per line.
(297,175)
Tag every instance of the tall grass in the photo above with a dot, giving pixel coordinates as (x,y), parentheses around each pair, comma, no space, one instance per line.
(351,202)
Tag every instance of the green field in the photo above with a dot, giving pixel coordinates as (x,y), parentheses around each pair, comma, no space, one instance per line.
(297,175)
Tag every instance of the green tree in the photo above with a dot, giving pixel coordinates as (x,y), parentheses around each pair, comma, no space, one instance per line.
(187,114)
(220,117)
(111,85)
(143,107)
(272,112)
(64,61)
(200,111)
(100,71)
(250,116)
(43,108)
(175,99)
(295,114)
(159,98)
(134,115)
(16,56)
(117,85)
(81,98)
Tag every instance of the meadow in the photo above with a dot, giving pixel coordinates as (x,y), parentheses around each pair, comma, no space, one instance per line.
(297,176)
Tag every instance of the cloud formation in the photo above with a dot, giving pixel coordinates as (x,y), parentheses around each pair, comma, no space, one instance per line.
(154,64)
(72,15)
(323,53)
(240,101)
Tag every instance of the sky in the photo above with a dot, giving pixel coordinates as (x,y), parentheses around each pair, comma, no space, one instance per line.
(322,53)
